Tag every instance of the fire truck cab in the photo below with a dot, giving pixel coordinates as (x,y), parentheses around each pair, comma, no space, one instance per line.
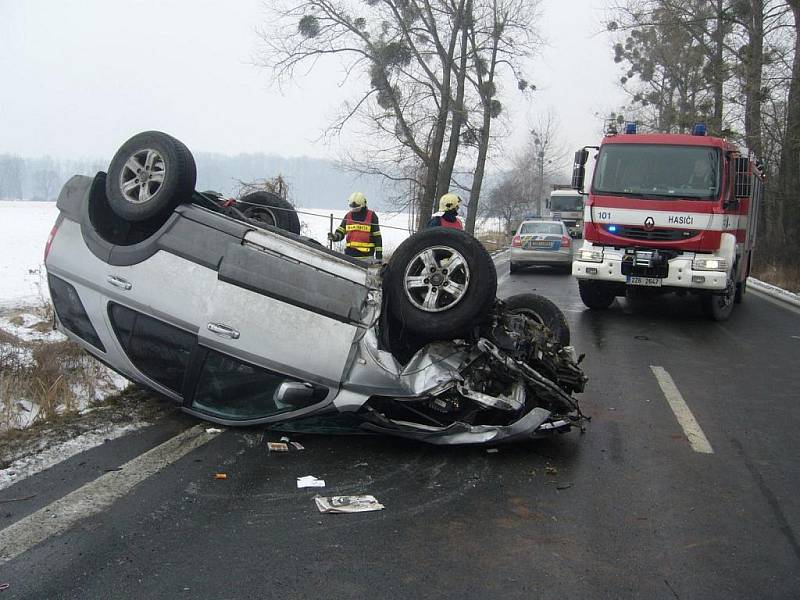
(668,213)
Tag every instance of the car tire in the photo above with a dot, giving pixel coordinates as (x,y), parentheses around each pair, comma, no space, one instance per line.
(543,311)
(149,176)
(270,209)
(432,301)
(512,268)
(595,295)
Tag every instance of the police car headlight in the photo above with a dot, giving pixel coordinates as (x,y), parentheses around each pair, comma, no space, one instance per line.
(592,255)
(710,264)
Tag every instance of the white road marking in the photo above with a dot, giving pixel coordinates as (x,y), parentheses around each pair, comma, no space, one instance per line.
(96,495)
(697,439)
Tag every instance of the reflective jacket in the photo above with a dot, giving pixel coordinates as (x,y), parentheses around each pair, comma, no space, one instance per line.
(362,233)
(446,220)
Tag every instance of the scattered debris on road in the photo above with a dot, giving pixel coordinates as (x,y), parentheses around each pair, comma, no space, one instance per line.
(309,481)
(277,447)
(213,430)
(564,486)
(297,446)
(347,504)
(551,470)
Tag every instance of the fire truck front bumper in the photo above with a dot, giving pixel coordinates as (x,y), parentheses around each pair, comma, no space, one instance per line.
(648,268)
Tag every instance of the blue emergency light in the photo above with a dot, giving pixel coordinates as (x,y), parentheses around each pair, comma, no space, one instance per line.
(612,228)
(699,129)
(630,127)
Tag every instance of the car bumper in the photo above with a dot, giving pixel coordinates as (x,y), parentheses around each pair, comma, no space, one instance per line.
(680,274)
(519,256)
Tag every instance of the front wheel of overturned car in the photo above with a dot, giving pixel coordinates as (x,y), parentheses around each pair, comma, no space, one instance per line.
(543,311)
(270,209)
(595,295)
(150,175)
(440,283)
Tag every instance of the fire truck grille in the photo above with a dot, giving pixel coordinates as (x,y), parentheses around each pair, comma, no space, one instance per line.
(655,235)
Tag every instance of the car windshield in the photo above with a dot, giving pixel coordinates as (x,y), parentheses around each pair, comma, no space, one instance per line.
(566,203)
(655,171)
(540,228)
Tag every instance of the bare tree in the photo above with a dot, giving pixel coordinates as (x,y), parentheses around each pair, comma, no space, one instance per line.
(431,66)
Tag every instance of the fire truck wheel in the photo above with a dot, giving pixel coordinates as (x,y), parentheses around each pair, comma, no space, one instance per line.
(440,284)
(543,311)
(719,306)
(741,289)
(595,295)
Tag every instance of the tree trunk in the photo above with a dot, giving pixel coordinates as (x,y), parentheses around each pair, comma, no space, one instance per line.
(789,176)
(446,168)
(754,66)
(480,165)
(718,67)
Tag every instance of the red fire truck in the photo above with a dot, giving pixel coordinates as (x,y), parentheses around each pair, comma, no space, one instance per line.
(668,213)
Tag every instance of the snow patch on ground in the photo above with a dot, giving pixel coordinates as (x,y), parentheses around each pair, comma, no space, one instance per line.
(24,227)
(32,328)
(30,465)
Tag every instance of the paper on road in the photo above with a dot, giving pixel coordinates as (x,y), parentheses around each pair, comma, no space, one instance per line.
(310,481)
(347,504)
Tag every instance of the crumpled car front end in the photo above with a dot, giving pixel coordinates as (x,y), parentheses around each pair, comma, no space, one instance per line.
(511,382)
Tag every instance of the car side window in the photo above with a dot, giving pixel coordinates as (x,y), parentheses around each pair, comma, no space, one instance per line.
(231,389)
(158,350)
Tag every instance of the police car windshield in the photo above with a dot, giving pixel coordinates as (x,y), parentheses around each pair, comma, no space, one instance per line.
(657,171)
(566,203)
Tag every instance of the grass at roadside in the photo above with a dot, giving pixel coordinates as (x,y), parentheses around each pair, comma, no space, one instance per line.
(43,376)
(782,275)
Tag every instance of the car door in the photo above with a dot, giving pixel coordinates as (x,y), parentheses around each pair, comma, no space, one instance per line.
(280,327)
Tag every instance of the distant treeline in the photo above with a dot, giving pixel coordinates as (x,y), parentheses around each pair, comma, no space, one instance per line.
(312,182)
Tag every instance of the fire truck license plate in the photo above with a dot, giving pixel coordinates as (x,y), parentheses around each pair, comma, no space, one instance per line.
(648,281)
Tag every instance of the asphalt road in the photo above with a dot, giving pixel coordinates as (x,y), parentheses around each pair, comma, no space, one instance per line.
(630,509)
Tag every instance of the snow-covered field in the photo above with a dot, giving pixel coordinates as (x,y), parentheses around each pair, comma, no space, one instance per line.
(24,227)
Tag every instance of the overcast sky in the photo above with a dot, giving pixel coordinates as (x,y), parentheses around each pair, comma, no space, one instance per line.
(78,77)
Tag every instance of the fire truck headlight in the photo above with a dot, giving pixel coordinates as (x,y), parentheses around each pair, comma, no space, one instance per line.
(592,255)
(710,264)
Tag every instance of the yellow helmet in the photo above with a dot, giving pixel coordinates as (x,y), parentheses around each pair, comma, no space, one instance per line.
(357,200)
(449,202)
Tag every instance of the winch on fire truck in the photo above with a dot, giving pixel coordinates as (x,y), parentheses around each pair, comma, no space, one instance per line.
(670,213)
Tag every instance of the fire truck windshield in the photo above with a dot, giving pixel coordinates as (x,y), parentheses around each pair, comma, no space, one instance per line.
(657,171)
(566,203)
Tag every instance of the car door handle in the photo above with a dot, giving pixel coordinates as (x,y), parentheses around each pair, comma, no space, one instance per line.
(223,330)
(119,282)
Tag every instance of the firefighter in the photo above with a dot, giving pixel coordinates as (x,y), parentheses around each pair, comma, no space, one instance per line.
(448,213)
(360,229)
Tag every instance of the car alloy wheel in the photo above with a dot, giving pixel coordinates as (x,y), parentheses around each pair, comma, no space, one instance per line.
(436,279)
(142,175)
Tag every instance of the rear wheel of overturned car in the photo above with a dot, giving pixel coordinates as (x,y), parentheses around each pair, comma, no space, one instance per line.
(270,209)
(440,283)
(512,267)
(595,295)
(543,311)
(150,175)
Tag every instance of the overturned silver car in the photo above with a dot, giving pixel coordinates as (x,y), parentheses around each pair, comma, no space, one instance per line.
(229,311)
